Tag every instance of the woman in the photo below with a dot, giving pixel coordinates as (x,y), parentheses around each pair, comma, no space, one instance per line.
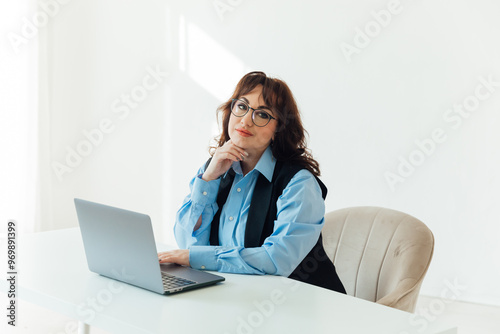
(257,206)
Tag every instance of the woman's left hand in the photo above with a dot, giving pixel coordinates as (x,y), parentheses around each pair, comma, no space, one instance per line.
(179,256)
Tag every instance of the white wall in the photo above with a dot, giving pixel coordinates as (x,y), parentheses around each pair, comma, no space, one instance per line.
(363,112)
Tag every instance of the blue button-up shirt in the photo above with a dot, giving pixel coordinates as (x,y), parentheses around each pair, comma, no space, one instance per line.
(297,226)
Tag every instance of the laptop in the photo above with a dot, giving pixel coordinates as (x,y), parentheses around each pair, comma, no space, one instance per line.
(120,244)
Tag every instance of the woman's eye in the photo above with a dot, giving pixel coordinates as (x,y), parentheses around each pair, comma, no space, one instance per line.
(263,115)
(241,106)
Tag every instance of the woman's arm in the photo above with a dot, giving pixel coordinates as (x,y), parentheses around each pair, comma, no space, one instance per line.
(199,207)
(192,225)
(299,221)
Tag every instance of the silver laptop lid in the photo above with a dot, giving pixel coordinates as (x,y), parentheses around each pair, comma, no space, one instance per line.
(119,244)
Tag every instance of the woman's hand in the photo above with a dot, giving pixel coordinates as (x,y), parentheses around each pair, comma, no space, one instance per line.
(179,256)
(223,159)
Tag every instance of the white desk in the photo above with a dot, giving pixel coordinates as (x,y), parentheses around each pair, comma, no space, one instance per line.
(53,273)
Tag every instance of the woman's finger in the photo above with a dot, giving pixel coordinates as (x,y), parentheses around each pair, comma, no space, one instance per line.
(241,151)
(179,256)
(238,153)
(222,160)
(166,257)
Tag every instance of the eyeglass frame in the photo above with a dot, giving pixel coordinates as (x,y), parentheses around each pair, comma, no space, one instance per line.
(253,112)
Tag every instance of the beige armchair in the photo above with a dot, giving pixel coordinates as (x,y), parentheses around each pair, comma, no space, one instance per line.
(381,255)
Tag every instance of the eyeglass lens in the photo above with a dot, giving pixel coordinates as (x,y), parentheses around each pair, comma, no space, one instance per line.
(259,117)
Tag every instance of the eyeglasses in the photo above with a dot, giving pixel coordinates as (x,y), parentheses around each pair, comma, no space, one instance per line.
(260,117)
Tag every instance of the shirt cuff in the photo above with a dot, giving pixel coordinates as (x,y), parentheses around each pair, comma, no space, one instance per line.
(204,192)
(203,257)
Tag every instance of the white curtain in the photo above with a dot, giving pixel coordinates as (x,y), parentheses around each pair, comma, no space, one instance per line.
(19,114)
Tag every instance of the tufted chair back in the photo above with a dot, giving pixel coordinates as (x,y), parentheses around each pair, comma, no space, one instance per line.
(381,255)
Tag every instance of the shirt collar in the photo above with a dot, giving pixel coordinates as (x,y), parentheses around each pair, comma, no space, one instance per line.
(265,166)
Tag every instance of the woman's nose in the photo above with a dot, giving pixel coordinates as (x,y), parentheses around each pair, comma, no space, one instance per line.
(247,119)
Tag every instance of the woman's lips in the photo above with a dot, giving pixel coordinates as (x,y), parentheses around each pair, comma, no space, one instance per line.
(244,133)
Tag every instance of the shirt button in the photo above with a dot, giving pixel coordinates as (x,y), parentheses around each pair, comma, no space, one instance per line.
(205,193)
(202,267)
(231,218)
(238,190)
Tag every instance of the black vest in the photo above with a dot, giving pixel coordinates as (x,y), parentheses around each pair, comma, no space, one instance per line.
(316,268)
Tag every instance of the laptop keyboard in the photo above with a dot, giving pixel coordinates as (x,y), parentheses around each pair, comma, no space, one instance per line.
(172,282)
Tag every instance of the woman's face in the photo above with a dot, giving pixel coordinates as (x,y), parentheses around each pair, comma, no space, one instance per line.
(244,133)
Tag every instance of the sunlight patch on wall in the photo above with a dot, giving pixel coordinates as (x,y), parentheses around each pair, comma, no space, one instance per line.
(212,65)
(182,43)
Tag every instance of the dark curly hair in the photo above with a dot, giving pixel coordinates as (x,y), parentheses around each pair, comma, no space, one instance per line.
(289,143)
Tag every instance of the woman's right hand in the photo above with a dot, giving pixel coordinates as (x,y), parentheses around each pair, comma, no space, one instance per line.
(223,159)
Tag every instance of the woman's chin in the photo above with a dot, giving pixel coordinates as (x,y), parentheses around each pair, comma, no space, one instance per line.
(240,142)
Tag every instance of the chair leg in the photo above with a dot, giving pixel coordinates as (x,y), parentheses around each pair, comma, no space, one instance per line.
(83,328)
